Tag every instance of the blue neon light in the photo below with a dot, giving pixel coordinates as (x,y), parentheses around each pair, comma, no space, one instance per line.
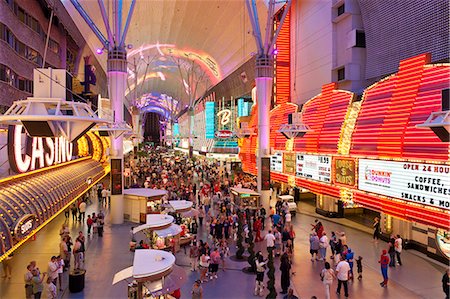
(210,120)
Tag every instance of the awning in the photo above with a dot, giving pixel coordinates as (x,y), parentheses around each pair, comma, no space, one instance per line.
(190,213)
(144,192)
(241,191)
(123,275)
(154,221)
(172,230)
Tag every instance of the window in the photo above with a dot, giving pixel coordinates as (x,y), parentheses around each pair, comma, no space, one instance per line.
(341,9)
(341,74)
(360,39)
(11,78)
(21,14)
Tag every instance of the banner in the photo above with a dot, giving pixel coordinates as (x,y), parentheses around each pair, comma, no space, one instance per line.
(314,167)
(421,183)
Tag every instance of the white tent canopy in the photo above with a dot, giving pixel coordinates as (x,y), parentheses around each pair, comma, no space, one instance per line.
(154,221)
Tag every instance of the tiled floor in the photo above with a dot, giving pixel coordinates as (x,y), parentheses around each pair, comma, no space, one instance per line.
(417,278)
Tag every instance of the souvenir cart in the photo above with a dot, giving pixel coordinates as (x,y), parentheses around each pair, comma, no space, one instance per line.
(160,232)
(142,201)
(153,275)
(245,198)
(184,216)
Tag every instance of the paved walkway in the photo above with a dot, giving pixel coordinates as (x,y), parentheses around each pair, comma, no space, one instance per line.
(417,278)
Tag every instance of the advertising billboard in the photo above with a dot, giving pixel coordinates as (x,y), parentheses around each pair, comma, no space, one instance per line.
(421,183)
(314,167)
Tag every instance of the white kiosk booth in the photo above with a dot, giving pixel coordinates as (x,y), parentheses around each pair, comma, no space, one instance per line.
(142,201)
(154,275)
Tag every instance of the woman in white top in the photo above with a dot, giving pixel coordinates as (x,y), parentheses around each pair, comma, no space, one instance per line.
(327,276)
(51,289)
(204,265)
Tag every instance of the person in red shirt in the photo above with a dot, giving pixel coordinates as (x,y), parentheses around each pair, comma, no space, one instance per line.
(257,226)
(176,294)
(384,262)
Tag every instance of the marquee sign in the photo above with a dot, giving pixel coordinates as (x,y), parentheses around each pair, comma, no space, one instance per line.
(344,171)
(27,153)
(24,226)
(276,162)
(421,183)
(289,163)
(224,116)
(314,167)
(224,134)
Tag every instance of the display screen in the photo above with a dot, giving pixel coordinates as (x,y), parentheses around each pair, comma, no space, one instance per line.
(210,121)
(276,162)
(421,183)
(265,173)
(116,176)
(314,167)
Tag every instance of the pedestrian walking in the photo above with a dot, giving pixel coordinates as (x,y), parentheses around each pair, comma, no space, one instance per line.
(193,255)
(260,264)
(37,284)
(446,283)
(359,267)
(50,288)
(327,276)
(74,210)
(28,284)
(323,245)
(67,213)
(285,267)
(376,229)
(314,246)
(82,210)
(197,290)
(398,244)
(89,223)
(391,251)
(204,265)
(215,261)
(384,262)
(342,271)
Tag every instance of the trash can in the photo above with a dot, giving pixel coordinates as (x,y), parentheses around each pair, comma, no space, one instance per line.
(76,281)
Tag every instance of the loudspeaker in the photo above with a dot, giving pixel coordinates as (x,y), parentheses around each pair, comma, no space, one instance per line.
(445,99)
(290,118)
(39,128)
(442,133)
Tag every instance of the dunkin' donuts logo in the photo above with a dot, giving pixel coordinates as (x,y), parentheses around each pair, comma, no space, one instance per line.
(378,177)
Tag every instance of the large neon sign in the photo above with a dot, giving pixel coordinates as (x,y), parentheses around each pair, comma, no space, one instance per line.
(35,152)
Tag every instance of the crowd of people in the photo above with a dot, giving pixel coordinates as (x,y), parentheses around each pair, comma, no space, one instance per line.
(207,185)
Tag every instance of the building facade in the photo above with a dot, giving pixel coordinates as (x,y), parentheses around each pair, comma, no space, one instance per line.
(23,33)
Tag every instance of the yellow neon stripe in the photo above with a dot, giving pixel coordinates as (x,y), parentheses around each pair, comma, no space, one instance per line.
(107,169)
(42,169)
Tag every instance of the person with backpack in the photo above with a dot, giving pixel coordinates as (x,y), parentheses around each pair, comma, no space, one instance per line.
(327,275)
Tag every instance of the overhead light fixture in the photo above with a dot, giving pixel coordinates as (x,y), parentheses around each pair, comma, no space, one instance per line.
(295,126)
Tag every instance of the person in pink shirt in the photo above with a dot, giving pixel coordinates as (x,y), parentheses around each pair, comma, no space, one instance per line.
(215,261)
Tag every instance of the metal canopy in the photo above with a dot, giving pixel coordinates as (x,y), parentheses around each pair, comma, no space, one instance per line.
(219,40)
(50,117)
